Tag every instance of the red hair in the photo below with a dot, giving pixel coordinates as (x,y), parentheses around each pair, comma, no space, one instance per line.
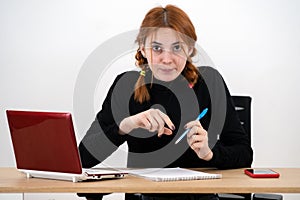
(168,17)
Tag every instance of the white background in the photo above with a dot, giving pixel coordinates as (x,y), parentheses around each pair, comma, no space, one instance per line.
(254,44)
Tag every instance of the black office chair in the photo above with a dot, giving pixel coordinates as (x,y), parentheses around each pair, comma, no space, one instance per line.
(243,108)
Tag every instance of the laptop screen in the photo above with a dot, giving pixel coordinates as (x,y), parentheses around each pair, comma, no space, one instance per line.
(44,141)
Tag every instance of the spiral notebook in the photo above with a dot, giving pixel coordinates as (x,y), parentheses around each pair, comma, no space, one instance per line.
(172,174)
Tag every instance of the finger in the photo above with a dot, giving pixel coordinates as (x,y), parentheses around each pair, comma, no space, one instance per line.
(197,145)
(159,120)
(192,123)
(153,123)
(165,131)
(193,131)
(160,132)
(198,141)
(190,140)
(143,122)
(167,120)
(197,138)
(168,131)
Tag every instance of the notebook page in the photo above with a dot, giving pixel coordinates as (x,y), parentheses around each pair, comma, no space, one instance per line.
(172,174)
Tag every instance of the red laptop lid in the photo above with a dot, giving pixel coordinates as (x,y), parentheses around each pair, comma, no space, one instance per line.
(44,141)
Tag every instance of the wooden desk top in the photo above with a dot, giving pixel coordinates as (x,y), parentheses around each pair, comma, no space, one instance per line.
(233,181)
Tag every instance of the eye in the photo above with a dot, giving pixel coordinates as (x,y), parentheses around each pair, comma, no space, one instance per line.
(177,48)
(157,48)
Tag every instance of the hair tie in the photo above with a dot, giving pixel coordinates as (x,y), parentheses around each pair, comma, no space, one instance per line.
(191,85)
(143,73)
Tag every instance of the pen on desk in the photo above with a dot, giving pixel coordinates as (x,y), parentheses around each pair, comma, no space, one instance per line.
(197,119)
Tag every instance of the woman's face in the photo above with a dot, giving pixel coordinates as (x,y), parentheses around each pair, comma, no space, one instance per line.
(166,54)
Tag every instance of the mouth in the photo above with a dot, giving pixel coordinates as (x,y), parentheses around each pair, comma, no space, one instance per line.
(167,71)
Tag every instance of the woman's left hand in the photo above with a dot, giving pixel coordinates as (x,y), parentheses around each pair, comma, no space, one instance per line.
(197,139)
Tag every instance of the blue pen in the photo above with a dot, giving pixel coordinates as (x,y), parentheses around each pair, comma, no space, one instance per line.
(187,130)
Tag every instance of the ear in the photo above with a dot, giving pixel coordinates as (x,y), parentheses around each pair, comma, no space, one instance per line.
(142,49)
(191,49)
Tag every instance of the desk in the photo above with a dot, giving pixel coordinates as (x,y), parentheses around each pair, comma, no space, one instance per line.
(233,181)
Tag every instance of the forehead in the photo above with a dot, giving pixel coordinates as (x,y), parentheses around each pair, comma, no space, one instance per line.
(165,36)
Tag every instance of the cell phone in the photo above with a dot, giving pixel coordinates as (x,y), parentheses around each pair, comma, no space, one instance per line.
(261,173)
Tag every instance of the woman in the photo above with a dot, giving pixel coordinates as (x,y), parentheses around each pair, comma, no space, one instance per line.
(150,109)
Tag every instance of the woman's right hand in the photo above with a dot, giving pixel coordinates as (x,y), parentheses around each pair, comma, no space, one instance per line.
(151,120)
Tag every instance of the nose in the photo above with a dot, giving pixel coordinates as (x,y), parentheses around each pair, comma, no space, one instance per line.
(166,57)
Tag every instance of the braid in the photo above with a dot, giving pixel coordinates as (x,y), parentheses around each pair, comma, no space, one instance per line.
(191,73)
(141,93)
(140,60)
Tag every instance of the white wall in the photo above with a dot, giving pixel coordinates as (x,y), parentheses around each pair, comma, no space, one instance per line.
(254,44)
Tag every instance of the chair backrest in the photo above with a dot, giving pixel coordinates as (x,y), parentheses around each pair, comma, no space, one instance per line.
(243,108)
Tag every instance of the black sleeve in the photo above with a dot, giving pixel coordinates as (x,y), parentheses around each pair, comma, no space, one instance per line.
(103,137)
(233,149)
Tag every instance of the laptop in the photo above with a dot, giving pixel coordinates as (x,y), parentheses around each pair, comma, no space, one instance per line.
(45,146)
